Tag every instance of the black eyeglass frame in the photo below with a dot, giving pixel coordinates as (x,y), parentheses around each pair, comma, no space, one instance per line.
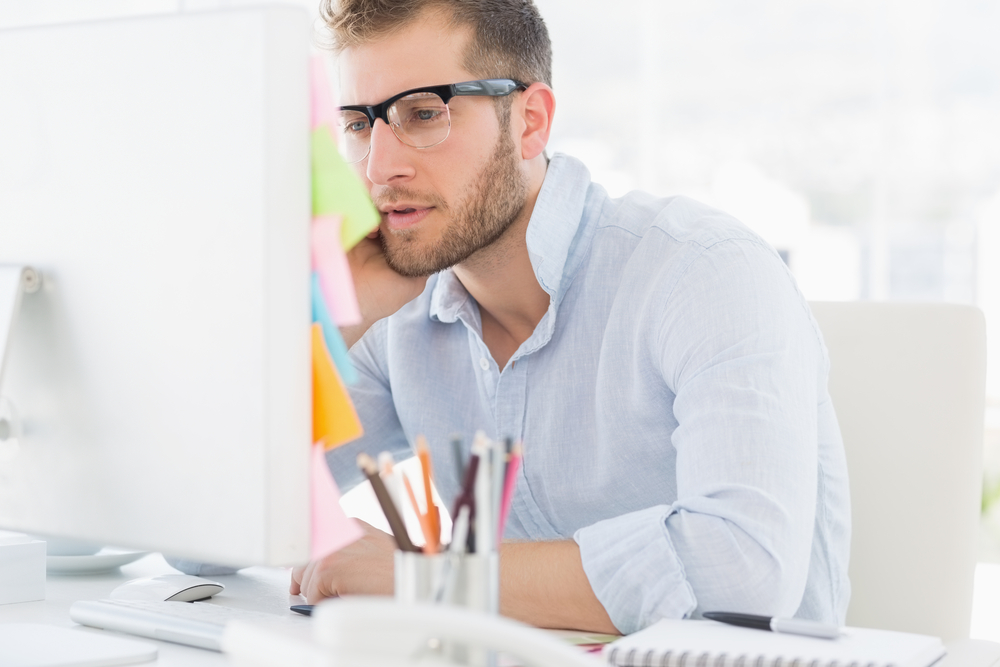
(480,88)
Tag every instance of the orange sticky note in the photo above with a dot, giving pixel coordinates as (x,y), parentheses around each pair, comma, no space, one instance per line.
(335,421)
(331,528)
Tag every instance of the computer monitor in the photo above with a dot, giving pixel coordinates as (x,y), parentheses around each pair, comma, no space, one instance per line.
(155,172)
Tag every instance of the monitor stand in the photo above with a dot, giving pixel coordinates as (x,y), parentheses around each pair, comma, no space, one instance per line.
(15,281)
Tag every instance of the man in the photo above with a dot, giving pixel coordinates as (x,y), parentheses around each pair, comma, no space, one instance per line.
(668,380)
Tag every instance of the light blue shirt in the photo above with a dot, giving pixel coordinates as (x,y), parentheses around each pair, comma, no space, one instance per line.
(672,401)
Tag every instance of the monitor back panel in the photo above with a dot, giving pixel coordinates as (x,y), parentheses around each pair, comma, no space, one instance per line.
(156,172)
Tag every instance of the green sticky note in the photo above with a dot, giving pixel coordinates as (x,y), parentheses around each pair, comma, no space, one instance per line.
(336,190)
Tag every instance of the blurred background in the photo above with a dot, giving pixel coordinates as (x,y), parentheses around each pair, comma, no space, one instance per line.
(861,138)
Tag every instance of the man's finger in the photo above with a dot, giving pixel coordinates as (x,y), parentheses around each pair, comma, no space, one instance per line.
(314,592)
(295,587)
(306,579)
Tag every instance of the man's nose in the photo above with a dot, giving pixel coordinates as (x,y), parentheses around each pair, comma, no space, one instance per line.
(388,158)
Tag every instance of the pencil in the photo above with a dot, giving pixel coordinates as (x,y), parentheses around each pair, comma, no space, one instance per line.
(510,482)
(396,525)
(424,454)
(499,471)
(430,545)
(391,480)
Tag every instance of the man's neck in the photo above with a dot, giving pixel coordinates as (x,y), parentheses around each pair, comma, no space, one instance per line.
(502,281)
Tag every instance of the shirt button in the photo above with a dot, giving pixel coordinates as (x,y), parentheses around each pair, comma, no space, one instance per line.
(485,365)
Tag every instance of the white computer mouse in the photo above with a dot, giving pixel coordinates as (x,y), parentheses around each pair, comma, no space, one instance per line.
(167,587)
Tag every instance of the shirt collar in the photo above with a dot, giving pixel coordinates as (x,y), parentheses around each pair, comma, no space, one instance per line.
(551,238)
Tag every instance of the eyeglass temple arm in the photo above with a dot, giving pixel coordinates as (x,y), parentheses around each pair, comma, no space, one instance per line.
(488,87)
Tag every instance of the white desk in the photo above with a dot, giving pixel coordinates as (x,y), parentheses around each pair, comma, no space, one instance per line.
(255,588)
(266,589)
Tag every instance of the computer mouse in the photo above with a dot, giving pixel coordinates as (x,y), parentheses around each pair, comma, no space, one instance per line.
(167,587)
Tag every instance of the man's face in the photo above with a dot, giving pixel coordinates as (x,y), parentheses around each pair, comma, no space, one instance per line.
(440,204)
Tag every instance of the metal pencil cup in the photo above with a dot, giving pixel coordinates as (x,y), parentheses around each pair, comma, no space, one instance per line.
(463,580)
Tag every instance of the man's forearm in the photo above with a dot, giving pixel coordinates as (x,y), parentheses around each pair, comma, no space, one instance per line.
(543,583)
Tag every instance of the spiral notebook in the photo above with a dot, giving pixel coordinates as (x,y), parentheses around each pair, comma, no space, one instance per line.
(674,643)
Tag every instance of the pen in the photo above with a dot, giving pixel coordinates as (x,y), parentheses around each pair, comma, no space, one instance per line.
(456,450)
(396,525)
(459,537)
(793,626)
(486,530)
(466,498)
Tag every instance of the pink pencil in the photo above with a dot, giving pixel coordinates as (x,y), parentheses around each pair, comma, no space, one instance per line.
(509,483)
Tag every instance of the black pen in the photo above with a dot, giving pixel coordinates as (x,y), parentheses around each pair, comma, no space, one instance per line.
(793,626)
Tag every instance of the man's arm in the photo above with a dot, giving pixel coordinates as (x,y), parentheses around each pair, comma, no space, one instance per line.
(541,583)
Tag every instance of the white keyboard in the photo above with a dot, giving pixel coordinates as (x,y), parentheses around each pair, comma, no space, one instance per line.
(193,623)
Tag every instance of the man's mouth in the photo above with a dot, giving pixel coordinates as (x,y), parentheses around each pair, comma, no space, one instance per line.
(401,218)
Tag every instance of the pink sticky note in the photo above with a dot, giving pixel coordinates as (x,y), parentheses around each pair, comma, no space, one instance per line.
(323,107)
(331,528)
(335,278)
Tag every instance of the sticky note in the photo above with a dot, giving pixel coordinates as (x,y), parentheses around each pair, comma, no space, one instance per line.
(335,421)
(336,189)
(335,345)
(323,106)
(332,530)
(335,278)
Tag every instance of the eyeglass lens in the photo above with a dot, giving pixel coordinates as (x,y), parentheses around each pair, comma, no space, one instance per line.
(420,120)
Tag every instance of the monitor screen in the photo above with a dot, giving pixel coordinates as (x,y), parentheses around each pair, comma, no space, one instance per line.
(155,173)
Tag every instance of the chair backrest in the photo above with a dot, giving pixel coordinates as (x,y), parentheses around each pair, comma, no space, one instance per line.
(908,385)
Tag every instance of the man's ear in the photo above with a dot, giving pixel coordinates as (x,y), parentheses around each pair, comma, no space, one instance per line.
(535,109)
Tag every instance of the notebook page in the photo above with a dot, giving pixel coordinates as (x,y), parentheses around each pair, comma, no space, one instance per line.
(665,642)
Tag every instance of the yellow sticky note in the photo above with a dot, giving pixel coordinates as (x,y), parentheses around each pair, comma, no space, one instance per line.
(335,421)
(336,190)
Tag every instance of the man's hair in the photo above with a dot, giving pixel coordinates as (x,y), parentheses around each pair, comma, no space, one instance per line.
(509,37)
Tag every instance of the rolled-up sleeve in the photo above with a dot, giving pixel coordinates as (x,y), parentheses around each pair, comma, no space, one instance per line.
(739,351)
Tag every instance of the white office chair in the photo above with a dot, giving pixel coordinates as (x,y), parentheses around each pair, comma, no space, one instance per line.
(908,384)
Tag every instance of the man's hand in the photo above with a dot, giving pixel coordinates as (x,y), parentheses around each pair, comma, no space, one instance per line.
(362,568)
(380,290)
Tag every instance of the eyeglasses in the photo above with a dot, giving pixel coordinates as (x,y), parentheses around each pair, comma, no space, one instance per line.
(418,117)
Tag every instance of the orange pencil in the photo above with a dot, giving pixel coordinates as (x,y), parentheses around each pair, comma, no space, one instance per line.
(424,454)
(430,545)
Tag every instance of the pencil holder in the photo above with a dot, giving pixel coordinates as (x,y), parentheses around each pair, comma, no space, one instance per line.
(464,580)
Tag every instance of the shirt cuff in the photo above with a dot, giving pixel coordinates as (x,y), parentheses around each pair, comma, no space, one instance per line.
(634,570)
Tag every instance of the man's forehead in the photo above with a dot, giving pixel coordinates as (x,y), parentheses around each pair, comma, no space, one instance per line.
(426,52)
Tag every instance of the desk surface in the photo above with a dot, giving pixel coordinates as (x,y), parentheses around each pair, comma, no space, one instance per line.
(266,589)
(255,588)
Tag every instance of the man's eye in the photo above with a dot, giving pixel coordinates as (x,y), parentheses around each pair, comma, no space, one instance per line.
(426,114)
(357,126)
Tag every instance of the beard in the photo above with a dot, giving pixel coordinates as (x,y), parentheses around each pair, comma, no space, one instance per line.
(489,207)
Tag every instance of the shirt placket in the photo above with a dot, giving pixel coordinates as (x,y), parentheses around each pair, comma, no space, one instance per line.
(510,407)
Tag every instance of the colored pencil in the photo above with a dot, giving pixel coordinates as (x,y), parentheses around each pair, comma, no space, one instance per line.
(424,455)
(509,484)
(430,544)
(396,525)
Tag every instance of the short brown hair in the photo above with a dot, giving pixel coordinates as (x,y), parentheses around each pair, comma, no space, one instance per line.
(510,39)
